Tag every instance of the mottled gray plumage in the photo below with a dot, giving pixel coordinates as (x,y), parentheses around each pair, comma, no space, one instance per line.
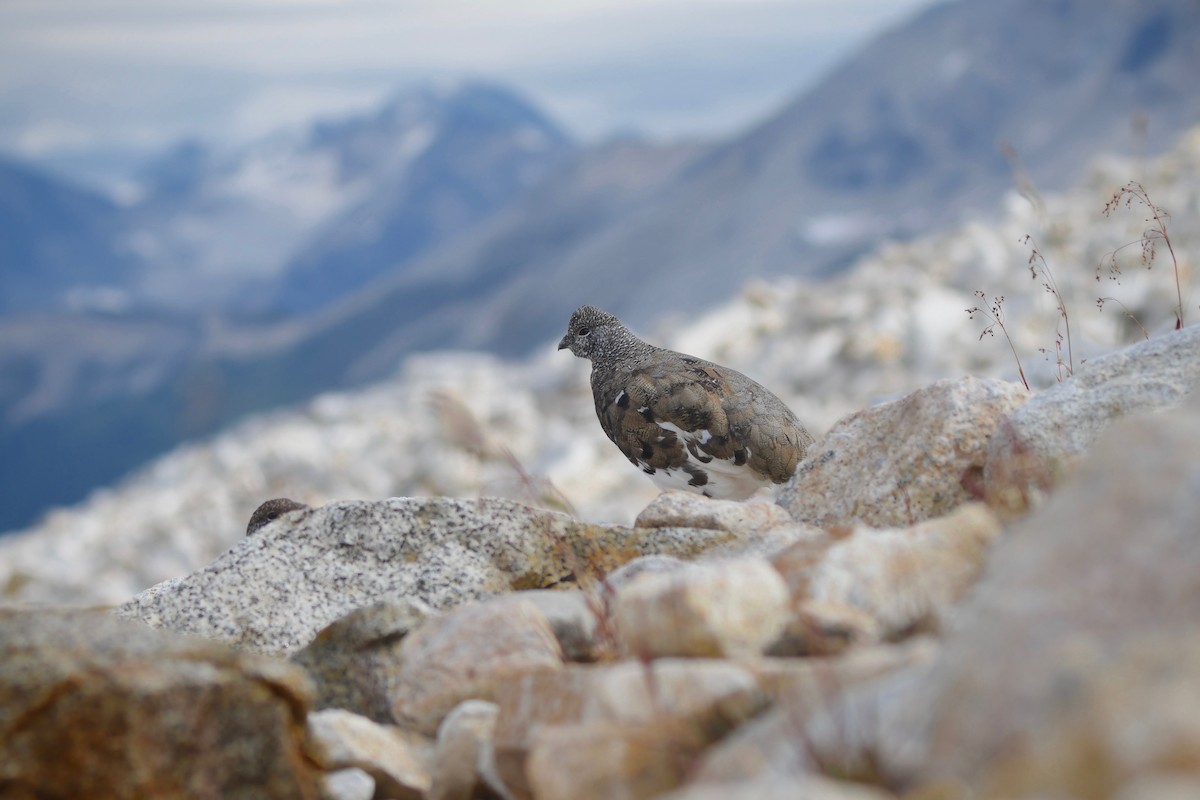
(686,422)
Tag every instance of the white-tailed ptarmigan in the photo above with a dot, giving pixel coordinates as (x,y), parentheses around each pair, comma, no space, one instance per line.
(687,423)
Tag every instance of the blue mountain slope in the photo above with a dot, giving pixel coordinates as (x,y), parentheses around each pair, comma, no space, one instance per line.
(56,242)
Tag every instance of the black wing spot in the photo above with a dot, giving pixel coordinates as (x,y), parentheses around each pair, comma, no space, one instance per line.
(649,470)
(647,414)
(739,457)
(647,451)
(697,453)
(699,476)
(623,401)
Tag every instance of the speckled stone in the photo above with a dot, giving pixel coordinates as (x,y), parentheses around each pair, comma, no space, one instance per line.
(94,706)
(1036,446)
(906,461)
(275,590)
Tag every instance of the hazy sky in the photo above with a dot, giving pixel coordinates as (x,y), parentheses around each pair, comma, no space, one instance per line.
(121,77)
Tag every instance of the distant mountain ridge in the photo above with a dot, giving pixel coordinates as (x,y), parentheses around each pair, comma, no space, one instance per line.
(470,156)
(59,244)
(297,220)
(903,138)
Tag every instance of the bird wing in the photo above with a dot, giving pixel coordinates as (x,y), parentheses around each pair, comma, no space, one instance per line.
(658,415)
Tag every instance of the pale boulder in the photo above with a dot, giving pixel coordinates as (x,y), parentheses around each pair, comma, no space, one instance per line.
(903,462)
(468,654)
(728,608)
(397,763)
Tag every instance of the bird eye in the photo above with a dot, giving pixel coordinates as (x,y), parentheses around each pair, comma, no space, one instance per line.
(582,331)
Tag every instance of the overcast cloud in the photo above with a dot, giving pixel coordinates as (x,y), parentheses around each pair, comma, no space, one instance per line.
(129,76)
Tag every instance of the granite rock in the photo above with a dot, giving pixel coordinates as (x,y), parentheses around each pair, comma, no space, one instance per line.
(905,461)
(275,590)
(642,565)
(1037,445)
(1069,669)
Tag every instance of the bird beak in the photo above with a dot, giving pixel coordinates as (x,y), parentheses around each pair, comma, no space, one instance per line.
(562,343)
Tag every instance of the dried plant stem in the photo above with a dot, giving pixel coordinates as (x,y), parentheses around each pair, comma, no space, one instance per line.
(1127,195)
(1100,301)
(1038,268)
(994,311)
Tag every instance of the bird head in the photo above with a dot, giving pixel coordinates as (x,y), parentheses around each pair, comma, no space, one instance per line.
(590,330)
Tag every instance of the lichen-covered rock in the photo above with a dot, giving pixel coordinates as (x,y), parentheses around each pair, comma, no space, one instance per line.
(730,608)
(275,590)
(1036,446)
(355,660)
(398,764)
(466,654)
(94,706)
(906,461)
